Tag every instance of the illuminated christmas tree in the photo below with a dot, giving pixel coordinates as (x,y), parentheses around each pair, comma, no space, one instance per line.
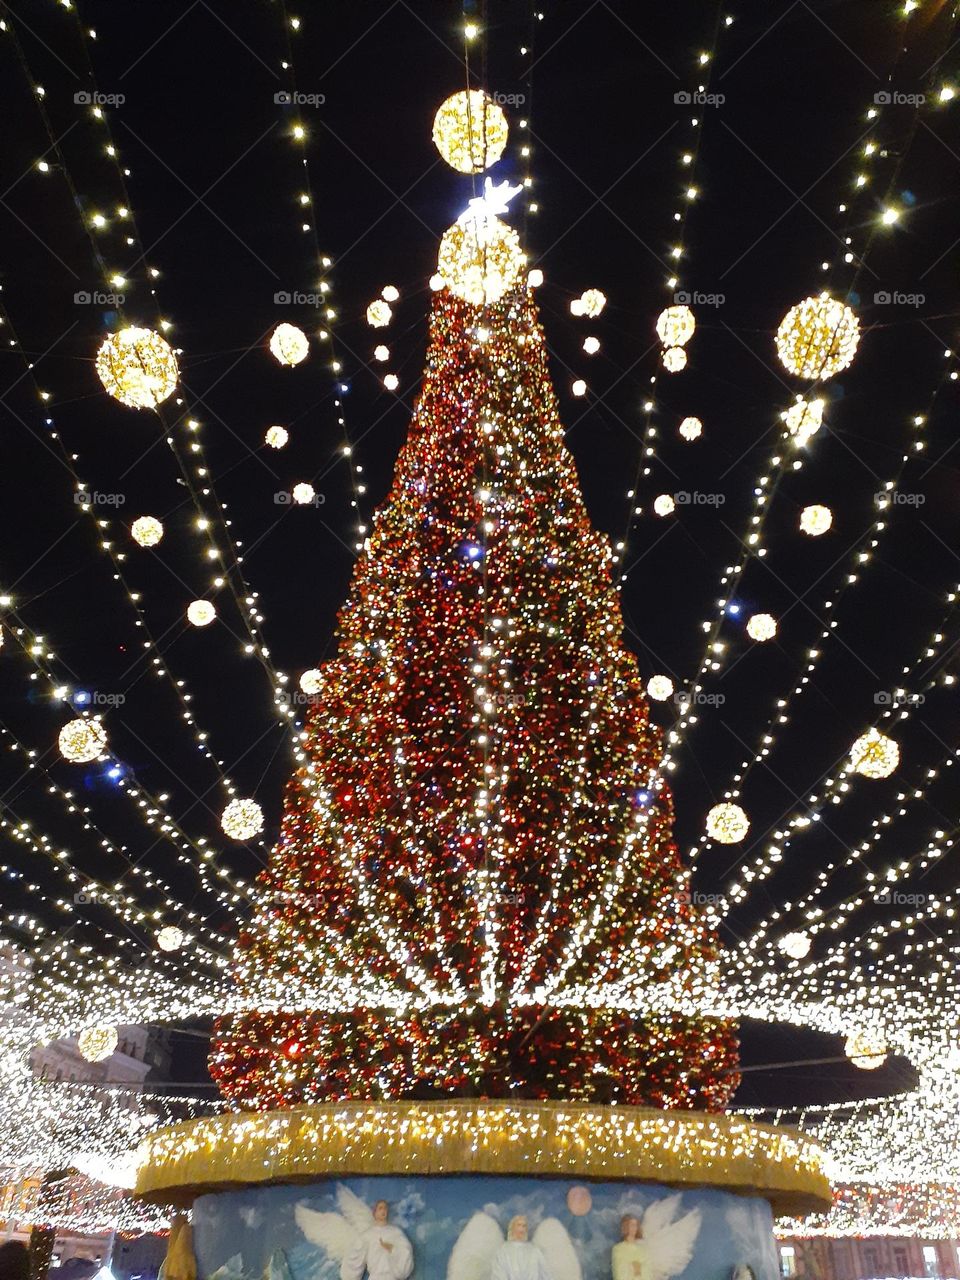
(475,890)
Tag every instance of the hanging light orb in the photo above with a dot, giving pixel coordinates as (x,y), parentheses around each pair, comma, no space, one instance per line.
(379,313)
(200,613)
(761,627)
(866,1050)
(664,505)
(276,437)
(146,531)
(470,131)
(481,259)
(691,429)
(578,387)
(304,493)
(289,344)
(660,688)
(674,359)
(535,278)
(391,381)
(592,302)
(804,419)
(170,938)
(676,325)
(795,945)
(381,353)
(311,682)
(137,367)
(436,282)
(97,1043)
(81,741)
(591,346)
(390,293)
(727,823)
(242,819)
(818,338)
(576,307)
(874,754)
(816,520)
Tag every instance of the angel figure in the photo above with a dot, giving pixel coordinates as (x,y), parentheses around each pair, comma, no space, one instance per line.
(361,1239)
(656,1248)
(481,1253)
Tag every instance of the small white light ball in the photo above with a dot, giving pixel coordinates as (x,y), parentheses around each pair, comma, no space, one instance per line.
(691,429)
(379,314)
(200,613)
(660,688)
(276,437)
(815,520)
(727,823)
(390,293)
(146,531)
(664,505)
(591,346)
(242,819)
(762,627)
(303,493)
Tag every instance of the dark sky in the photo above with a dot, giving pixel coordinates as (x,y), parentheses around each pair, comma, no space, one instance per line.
(213,187)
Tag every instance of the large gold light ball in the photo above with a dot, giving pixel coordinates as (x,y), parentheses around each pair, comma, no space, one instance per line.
(795,945)
(289,344)
(480,259)
(200,613)
(866,1050)
(664,505)
(675,326)
(146,531)
(311,682)
(691,429)
(81,741)
(874,754)
(470,131)
(761,627)
(674,359)
(303,493)
(592,302)
(242,819)
(660,688)
(97,1043)
(818,338)
(137,367)
(379,313)
(727,823)
(804,419)
(170,938)
(815,520)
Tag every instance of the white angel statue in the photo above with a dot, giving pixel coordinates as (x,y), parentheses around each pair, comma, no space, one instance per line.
(481,1253)
(359,1237)
(656,1248)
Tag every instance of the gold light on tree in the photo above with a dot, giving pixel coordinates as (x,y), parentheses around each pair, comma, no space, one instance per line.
(866,1050)
(660,688)
(480,259)
(818,338)
(97,1043)
(727,823)
(874,754)
(137,367)
(81,741)
(146,531)
(815,520)
(288,344)
(470,131)
(200,613)
(170,938)
(242,819)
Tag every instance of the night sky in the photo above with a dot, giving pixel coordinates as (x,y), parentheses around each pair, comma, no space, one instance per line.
(213,185)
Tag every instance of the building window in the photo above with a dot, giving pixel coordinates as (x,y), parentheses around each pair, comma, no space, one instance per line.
(931,1260)
(900,1262)
(873,1262)
(788,1260)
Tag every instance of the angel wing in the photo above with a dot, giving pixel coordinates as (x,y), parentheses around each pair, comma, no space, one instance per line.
(472,1256)
(330,1231)
(669,1244)
(356,1211)
(553,1241)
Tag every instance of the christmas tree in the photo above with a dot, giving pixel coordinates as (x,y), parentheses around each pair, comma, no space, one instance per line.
(475,890)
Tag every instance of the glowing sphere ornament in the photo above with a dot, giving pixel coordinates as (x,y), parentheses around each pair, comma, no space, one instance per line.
(795,945)
(311,682)
(674,359)
(866,1050)
(727,823)
(591,346)
(276,437)
(170,938)
(390,293)
(391,381)
(592,302)
(289,345)
(146,531)
(470,131)
(691,429)
(874,754)
(97,1043)
(762,627)
(81,741)
(818,338)
(664,505)
(675,326)
(137,367)
(815,520)
(379,313)
(579,387)
(304,493)
(481,259)
(381,353)
(200,613)
(660,688)
(535,278)
(242,819)
(804,419)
